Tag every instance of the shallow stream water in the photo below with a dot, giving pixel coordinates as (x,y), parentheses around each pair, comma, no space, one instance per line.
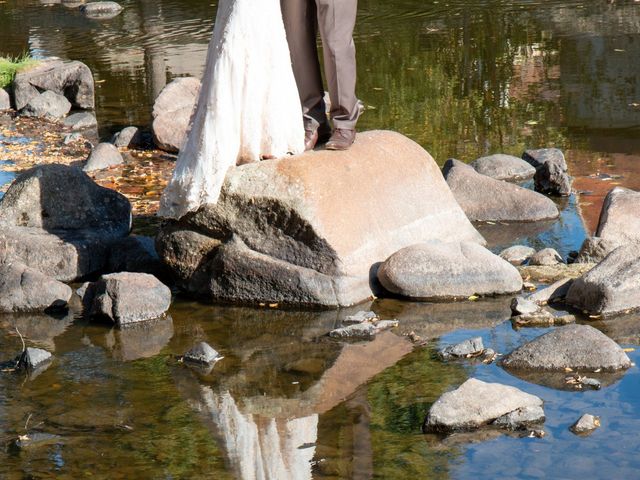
(462,78)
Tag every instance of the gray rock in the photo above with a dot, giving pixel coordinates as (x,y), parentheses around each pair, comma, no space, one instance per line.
(619,224)
(538,158)
(555,291)
(485,199)
(468,348)
(579,347)
(172,113)
(542,318)
(386,325)
(546,256)
(71,79)
(136,253)
(202,353)
(585,425)
(34,358)
(101,10)
(474,404)
(48,105)
(522,418)
(273,235)
(127,298)
(611,287)
(104,155)
(5,100)
(521,305)
(595,249)
(551,171)
(517,255)
(504,167)
(56,220)
(433,271)
(355,331)
(128,137)
(23,289)
(72,138)
(81,121)
(360,317)
(37,439)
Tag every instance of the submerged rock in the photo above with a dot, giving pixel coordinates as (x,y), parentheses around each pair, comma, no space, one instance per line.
(104,155)
(36,439)
(23,289)
(472,347)
(71,79)
(56,220)
(101,10)
(202,353)
(274,235)
(355,331)
(360,317)
(611,287)
(578,347)
(49,105)
(553,273)
(517,255)
(434,271)
(585,425)
(504,167)
(172,112)
(485,199)
(127,298)
(551,171)
(542,318)
(546,256)
(475,404)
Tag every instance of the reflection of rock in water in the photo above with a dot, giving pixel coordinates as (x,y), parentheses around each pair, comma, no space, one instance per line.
(432,320)
(262,448)
(623,329)
(37,329)
(142,340)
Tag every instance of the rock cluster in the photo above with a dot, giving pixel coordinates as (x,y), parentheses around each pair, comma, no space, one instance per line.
(275,235)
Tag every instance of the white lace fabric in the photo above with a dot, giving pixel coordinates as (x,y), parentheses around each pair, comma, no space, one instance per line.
(248,106)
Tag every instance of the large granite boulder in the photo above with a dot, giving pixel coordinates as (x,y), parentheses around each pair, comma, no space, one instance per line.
(611,286)
(23,289)
(504,167)
(439,271)
(55,219)
(485,199)
(172,113)
(311,229)
(551,175)
(71,79)
(475,404)
(619,224)
(576,347)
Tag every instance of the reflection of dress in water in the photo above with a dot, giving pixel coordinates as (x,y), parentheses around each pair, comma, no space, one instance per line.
(248,107)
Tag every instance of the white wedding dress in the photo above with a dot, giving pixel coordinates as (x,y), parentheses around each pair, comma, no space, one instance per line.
(248,106)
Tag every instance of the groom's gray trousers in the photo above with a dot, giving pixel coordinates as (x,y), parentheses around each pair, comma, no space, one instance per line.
(335,21)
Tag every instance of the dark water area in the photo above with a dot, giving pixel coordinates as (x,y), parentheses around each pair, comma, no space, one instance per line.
(461,77)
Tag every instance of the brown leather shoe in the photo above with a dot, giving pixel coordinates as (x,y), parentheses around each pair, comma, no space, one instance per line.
(310,139)
(341,139)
